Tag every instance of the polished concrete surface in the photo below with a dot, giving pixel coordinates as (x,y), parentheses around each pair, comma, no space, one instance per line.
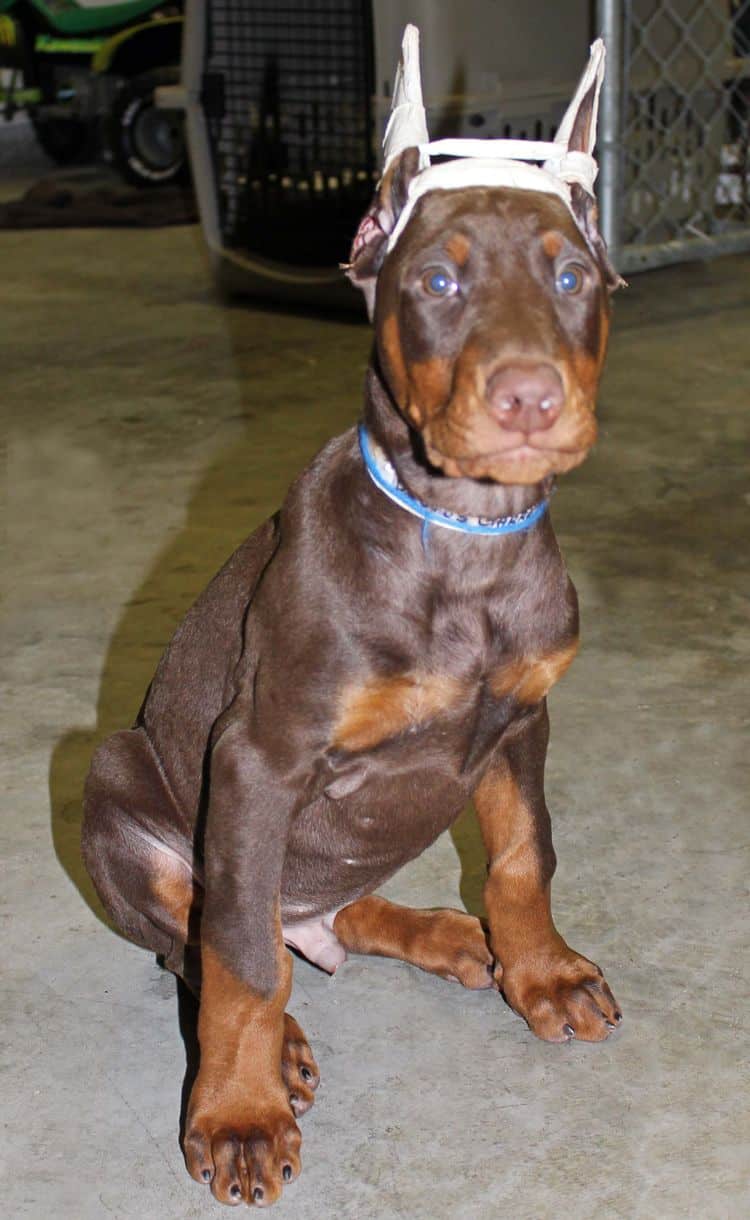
(149,429)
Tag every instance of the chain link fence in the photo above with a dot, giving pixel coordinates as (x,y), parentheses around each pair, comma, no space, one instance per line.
(675,128)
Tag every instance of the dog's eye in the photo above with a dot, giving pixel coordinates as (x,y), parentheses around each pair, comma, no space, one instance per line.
(438,283)
(570,279)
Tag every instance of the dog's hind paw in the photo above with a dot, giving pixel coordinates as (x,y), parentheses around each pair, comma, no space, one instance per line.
(454,946)
(298,1067)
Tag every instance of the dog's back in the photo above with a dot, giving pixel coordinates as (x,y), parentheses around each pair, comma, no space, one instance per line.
(195,679)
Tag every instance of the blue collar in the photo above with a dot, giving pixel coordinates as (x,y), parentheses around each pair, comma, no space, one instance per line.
(384,476)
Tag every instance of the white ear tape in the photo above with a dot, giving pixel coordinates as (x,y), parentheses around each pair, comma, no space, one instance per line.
(491,163)
(407,124)
(593,74)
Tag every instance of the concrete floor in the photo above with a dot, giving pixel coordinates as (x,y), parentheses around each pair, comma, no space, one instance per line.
(149,429)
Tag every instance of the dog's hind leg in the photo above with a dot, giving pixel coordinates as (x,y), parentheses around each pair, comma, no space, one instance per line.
(146,881)
(449,943)
(148,884)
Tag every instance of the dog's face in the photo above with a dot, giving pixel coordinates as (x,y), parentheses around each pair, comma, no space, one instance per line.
(491,320)
(492,314)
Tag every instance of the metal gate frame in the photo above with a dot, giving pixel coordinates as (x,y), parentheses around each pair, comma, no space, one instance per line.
(618,160)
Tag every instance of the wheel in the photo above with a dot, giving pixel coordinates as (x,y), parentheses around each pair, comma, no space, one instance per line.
(66,141)
(147,144)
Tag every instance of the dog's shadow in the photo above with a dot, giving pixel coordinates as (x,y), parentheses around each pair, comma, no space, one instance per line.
(181,570)
(467,841)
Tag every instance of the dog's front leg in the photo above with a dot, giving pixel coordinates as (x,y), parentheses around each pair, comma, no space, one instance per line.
(240,1133)
(559,993)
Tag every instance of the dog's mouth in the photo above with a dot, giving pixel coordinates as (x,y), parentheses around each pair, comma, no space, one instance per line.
(528,449)
(465,440)
(524,463)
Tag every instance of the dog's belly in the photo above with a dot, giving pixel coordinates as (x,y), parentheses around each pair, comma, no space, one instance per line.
(341,849)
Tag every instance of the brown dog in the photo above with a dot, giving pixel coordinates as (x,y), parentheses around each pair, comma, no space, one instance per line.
(349,681)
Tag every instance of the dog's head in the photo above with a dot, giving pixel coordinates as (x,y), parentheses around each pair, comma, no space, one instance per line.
(491,312)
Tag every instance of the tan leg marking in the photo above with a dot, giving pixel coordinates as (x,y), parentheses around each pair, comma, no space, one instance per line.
(384,707)
(179,893)
(449,943)
(559,993)
(240,1133)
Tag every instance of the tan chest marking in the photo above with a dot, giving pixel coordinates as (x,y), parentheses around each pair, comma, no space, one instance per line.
(373,711)
(528,679)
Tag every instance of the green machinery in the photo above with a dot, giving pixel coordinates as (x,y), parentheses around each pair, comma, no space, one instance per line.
(87,78)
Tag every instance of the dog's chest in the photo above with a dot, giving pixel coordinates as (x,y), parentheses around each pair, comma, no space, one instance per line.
(475,676)
(408,744)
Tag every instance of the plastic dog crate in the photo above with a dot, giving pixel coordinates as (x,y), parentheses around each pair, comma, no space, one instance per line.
(286,102)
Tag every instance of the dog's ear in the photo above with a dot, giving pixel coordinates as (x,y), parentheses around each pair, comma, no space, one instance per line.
(369,245)
(582,136)
(583,129)
(586,212)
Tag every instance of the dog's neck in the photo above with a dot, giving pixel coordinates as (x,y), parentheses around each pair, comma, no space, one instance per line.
(404,448)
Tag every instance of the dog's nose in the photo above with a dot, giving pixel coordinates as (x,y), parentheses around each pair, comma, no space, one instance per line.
(525,398)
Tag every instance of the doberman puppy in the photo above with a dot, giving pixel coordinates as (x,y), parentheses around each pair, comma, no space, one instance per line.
(354,675)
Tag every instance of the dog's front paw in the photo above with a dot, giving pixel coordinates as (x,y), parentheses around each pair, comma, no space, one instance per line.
(561,997)
(243,1152)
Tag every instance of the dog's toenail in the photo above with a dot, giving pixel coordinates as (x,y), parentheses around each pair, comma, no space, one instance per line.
(293,1098)
(305,1073)
(286,1173)
(568,1029)
(618,1016)
(235,1191)
(258,1194)
(610,1025)
(206,1175)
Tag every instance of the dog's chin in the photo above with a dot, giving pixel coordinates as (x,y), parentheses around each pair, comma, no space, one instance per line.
(523,465)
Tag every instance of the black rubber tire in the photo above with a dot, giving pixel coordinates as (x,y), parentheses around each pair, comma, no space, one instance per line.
(66,141)
(147,145)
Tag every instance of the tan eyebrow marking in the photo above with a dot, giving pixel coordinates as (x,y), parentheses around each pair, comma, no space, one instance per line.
(552,243)
(458,247)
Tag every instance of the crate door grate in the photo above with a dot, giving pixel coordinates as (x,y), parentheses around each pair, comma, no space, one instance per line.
(292,137)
